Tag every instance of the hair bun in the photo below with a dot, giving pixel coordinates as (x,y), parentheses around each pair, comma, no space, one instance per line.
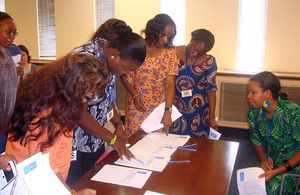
(121,30)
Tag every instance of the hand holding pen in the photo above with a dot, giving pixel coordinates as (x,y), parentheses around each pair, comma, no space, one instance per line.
(138,102)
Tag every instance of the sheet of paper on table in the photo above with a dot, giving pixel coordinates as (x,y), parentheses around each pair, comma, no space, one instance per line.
(153,121)
(154,163)
(122,176)
(157,149)
(148,192)
(249,183)
(171,139)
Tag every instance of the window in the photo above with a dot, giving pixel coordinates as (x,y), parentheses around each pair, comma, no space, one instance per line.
(2,5)
(105,9)
(46,28)
(251,35)
(176,10)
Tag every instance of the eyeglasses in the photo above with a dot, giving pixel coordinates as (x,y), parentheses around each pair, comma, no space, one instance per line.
(9,33)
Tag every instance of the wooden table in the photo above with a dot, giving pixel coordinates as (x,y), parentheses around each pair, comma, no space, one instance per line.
(209,172)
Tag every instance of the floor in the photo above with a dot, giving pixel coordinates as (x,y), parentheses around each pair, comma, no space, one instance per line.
(246,156)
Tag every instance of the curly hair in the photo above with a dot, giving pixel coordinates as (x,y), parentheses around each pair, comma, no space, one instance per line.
(111,28)
(157,26)
(8,88)
(59,89)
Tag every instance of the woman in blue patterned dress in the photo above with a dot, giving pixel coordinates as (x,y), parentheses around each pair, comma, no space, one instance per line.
(274,131)
(195,90)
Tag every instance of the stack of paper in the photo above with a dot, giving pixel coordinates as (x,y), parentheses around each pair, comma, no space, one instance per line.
(153,121)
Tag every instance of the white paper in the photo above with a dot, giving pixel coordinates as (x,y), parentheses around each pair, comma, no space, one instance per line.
(171,139)
(152,193)
(153,121)
(17,59)
(213,134)
(122,176)
(249,183)
(154,163)
(36,177)
(157,149)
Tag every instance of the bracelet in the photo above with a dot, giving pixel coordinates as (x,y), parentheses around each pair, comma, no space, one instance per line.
(135,95)
(73,192)
(112,141)
(286,164)
(118,123)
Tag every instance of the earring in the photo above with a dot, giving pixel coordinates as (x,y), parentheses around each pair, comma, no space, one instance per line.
(266,104)
(112,57)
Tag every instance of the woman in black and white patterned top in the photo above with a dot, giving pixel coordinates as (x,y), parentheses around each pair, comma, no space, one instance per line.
(123,51)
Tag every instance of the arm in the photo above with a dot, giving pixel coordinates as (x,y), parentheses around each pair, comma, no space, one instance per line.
(292,162)
(170,93)
(211,97)
(134,94)
(90,125)
(261,153)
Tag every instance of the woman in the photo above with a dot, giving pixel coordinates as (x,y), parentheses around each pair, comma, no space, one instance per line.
(274,131)
(8,92)
(48,108)
(124,52)
(25,61)
(154,82)
(195,91)
(8,33)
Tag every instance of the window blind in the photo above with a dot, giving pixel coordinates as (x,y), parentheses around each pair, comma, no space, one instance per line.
(251,35)
(46,28)
(105,9)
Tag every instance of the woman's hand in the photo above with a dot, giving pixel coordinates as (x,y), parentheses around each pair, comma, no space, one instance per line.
(120,147)
(121,133)
(139,104)
(269,174)
(20,71)
(266,165)
(4,159)
(166,121)
(213,123)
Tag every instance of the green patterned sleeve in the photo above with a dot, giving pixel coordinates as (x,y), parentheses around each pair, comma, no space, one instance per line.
(255,135)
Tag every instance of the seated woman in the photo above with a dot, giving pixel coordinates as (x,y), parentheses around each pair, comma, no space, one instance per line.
(25,61)
(48,108)
(274,131)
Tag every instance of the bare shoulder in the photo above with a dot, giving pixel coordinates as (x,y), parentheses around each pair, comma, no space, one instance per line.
(180,51)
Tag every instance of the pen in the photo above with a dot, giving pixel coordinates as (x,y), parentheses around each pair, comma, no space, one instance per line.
(187,149)
(190,145)
(180,161)
(109,150)
(139,161)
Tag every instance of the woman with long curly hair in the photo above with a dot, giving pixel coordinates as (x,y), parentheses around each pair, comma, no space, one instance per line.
(48,108)
(154,82)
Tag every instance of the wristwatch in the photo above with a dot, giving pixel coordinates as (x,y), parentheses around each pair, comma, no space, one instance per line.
(169,109)
(286,164)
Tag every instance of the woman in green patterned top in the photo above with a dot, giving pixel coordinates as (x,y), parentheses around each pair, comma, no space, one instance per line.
(274,131)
